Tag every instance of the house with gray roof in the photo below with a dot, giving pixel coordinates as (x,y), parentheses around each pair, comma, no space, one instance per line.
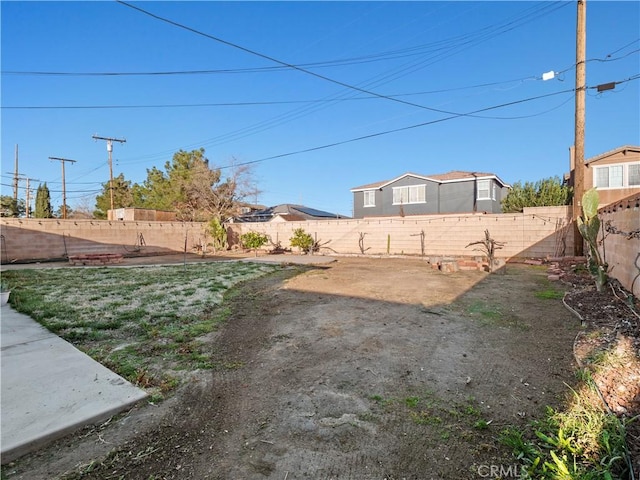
(286,212)
(414,194)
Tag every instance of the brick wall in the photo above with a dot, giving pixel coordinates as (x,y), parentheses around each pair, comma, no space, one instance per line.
(45,239)
(622,250)
(538,232)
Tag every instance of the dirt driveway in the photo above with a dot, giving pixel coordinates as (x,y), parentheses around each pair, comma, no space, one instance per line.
(363,369)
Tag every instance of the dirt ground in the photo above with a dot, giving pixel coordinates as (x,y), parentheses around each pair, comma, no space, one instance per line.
(361,369)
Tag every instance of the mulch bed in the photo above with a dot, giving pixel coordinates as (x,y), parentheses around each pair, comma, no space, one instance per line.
(611,320)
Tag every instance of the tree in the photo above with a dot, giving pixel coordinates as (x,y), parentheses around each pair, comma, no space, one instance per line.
(83,209)
(9,207)
(60,213)
(43,202)
(488,246)
(543,193)
(154,192)
(122,196)
(193,189)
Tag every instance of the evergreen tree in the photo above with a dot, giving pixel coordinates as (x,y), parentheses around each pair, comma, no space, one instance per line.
(191,188)
(9,207)
(543,193)
(43,202)
(122,196)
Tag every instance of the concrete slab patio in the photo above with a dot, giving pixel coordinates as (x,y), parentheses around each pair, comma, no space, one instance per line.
(49,388)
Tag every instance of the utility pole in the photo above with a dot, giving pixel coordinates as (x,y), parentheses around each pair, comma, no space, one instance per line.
(64,188)
(15,177)
(579,166)
(26,213)
(110,141)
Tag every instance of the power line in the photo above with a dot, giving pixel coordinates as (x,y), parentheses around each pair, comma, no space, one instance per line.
(466,41)
(56,191)
(635,77)
(287,64)
(374,57)
(607,58)
(387,132)
(270,102)
(378,134)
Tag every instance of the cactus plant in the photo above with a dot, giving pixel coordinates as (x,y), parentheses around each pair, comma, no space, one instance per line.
(589,227)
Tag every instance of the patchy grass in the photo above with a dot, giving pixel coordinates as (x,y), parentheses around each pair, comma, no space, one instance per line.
(461,419)
(581,442)
(145,323)
(548,291)
(486,311)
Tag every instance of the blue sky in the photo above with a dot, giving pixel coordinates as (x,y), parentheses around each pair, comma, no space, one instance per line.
(319,97)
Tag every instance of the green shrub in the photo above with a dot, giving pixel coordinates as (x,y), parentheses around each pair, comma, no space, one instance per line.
(303,240)
(253,240)
(218,234)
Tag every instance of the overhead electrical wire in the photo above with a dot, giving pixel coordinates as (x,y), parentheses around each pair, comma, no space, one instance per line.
(281,62)
(387,132)
(241,133)
(470,39)
(395,130)
(449,44)
(400,129)
(607,58)
(381,56)
(358,89)
(418,125)
(266,103)
(53,191)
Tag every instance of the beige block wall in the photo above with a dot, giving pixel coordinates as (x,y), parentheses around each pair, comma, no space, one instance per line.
(538,232)
(42,239)
(622,252)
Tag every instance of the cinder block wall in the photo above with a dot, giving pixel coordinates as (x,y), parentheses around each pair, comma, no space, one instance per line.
(46,239)
(622,250)
(538,232)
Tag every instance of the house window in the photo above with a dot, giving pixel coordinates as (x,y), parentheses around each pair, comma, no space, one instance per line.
(634,175)
(484,190)
(617,176)
(369,198)
(409,194)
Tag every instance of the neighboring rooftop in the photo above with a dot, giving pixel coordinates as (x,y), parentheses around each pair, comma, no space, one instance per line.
(452,176)
(287,212)
(623,149)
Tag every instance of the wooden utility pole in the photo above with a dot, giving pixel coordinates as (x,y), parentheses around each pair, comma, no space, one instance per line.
(579,166)
(110,141)
(27,206)
(64,188)
(15,177)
